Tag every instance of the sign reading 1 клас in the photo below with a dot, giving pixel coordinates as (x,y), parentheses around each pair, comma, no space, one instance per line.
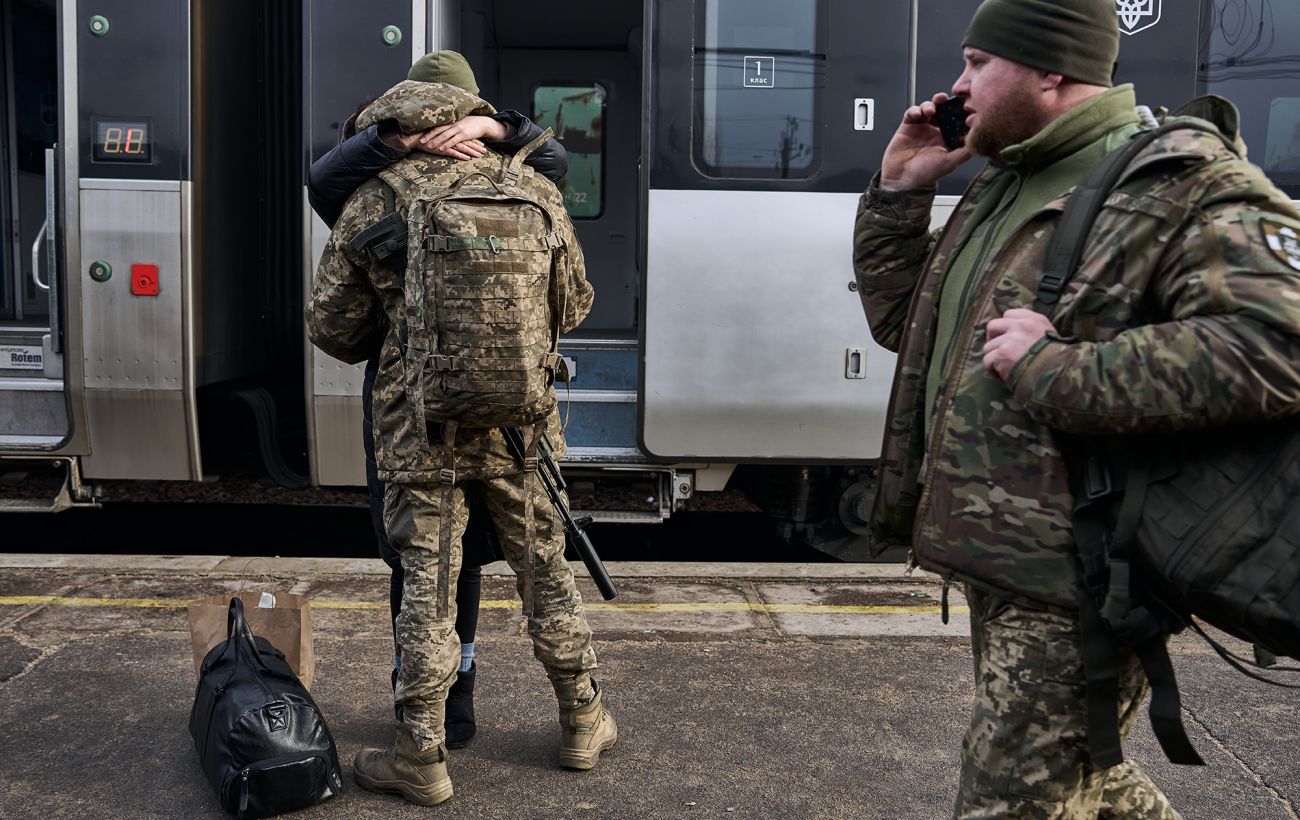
(760,72)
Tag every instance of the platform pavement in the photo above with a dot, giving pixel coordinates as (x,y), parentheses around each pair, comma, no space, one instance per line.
(742,690)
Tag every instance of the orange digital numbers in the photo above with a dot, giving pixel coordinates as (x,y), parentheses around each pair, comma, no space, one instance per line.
(122,141)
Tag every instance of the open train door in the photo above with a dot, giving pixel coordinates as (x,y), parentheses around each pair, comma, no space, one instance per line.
(41,413)
(765,121)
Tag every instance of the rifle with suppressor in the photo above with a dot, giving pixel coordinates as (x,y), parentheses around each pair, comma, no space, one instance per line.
(554,484)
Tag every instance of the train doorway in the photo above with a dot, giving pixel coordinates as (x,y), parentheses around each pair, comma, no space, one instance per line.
(33,413)
(580,72)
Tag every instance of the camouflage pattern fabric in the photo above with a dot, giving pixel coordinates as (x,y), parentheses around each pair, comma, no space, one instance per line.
(417,106)
(354,298)
(1025,755)
(1180,317)
(484,269)
(429,647)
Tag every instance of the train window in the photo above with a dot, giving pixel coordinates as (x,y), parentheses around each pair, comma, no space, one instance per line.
(759,69)
(1249,55)
(576,113)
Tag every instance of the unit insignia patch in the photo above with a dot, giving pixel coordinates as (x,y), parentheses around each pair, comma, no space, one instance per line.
(1283,241)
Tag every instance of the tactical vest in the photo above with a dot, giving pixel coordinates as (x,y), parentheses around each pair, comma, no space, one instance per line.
(484,289)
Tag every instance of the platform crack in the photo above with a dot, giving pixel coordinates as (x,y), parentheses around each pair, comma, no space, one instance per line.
(759,604)
(1255,776)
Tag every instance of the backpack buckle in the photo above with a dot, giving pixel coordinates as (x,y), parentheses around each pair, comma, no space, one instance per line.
(494,244)
(446,476)
(1096,479)
(531,464)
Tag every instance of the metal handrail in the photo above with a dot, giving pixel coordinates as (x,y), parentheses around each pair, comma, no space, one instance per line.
(36,258)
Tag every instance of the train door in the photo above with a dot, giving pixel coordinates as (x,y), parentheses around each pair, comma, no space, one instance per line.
(33,407)
(580,73)
(766,118)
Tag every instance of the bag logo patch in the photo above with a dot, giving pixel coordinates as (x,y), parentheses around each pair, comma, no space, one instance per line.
(1137,15)
(1283,241)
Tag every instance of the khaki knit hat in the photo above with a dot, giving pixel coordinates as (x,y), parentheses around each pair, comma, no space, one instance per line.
(444,67)
(1076,38)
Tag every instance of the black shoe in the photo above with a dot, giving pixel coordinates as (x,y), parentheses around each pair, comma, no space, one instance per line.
(459,723)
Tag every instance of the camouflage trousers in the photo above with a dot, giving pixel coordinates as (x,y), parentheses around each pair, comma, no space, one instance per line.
(426,634)
(1025,755)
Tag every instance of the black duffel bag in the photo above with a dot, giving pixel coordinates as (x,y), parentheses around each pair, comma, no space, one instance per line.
(261,740)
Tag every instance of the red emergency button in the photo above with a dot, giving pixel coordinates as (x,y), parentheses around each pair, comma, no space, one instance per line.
(144,280)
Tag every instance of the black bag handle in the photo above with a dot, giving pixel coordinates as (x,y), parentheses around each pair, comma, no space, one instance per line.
(237,627)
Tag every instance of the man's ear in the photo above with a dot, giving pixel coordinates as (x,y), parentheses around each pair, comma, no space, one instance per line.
(1049,81)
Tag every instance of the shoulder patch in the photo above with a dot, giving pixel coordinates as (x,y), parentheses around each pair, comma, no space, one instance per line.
(1282,239)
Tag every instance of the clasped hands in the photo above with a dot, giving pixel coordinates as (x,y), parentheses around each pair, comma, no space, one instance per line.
(462,139)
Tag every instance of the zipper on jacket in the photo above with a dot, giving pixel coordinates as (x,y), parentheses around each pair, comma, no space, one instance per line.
(945,398)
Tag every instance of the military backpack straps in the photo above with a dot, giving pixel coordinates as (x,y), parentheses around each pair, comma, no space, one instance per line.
(1174,528)
(484,284)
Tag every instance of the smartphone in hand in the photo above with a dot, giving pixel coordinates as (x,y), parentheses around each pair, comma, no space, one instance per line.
(950,116)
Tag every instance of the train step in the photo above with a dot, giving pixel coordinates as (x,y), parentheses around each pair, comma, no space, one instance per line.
(43,486)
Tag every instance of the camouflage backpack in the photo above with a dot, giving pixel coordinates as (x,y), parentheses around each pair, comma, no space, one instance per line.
(483,266)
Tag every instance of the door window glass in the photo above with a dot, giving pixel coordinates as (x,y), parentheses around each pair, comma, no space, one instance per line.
(1250,54)
(759,68)
(576,113)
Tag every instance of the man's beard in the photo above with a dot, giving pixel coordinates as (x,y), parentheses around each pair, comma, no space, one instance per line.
(1011,121)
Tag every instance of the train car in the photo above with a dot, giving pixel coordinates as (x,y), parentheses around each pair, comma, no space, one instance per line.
(158,243)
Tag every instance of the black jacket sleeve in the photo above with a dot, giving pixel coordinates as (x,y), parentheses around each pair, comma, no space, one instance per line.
(333,177)
(550,160)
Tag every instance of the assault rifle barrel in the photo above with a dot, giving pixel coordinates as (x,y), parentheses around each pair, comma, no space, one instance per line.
(554,484)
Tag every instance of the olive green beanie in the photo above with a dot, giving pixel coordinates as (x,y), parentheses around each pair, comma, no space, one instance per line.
(444,67)
(1076,38)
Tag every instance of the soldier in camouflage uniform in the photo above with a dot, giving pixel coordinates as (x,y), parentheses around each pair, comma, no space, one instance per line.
(1184,314)
(343,317)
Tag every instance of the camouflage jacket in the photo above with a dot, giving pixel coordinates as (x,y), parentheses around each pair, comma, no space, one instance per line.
(1184,314)
(353,299)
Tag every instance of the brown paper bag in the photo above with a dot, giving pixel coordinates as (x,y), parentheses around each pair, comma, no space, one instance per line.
(287,626)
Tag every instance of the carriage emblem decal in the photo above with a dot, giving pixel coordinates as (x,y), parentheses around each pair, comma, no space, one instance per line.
(1137,15)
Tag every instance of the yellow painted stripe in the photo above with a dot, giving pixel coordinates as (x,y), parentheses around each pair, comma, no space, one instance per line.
(501,603)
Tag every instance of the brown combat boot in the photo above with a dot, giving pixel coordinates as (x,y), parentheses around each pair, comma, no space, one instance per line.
(587,731)
(419,776)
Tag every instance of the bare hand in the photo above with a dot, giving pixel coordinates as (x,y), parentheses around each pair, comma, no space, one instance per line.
(916,156)
(1008,339)
(463,138)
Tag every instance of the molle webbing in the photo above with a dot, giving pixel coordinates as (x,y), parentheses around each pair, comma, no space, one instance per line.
(454,244)
(483,290)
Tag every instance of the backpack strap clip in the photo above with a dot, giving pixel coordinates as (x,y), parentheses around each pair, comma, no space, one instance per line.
(516,167)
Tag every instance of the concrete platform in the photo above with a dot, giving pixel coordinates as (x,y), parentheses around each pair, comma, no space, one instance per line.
(762,691)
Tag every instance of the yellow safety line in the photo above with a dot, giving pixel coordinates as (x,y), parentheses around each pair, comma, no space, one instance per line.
(501,603)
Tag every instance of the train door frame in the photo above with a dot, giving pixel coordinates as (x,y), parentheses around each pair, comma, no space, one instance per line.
(62,366)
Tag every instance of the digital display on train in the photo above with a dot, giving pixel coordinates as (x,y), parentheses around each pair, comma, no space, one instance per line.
(123,141)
